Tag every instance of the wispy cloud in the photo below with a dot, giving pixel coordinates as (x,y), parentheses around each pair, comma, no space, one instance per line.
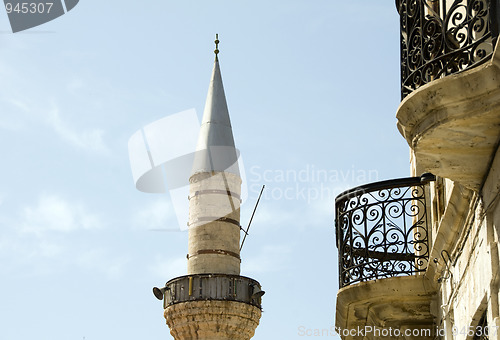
(18,104)
(46,237)
(75,85)
(53,213)
(154,216)
(50,249)
(15,112)
(91,139)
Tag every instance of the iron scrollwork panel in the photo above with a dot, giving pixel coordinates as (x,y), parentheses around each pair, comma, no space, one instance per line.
(382,231)
(442,37)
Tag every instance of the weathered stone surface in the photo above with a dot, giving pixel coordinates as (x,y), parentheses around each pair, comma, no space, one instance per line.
(212,320)
(395,302)
(453,124)
(214,208)
(465,272)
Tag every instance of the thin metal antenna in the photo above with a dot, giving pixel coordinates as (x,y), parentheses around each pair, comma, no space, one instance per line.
(251,218)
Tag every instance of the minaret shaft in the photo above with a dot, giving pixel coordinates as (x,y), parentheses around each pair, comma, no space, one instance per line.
(214,219)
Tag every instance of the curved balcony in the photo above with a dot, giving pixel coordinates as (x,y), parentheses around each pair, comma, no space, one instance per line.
(382,230)
(211,306)
(444,37)
(222,287)
(450,112)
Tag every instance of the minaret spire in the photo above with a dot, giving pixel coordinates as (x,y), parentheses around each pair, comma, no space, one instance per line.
(215,151)
(213,301)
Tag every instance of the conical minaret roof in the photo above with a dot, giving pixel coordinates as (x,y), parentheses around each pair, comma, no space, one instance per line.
(215,151)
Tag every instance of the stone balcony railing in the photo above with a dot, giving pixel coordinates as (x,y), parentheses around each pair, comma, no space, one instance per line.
(443,37)
(382,230)
(207,287)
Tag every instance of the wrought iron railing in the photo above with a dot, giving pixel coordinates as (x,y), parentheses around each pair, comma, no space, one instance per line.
(382,230)
(442,37)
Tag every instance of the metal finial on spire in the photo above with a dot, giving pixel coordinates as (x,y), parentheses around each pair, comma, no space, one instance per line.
(216,47)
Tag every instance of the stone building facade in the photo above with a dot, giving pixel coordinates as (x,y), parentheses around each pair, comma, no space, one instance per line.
(419,257)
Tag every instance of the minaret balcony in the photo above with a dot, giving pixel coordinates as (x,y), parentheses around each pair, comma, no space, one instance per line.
(211,306)
(224,287)
(450,85)
(383,246)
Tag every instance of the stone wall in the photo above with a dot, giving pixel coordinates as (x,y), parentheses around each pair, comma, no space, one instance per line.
(465,245)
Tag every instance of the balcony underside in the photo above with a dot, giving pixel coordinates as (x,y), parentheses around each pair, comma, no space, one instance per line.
(398,302)
(453,123)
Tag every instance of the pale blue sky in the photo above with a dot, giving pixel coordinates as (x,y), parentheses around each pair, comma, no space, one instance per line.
(312,87)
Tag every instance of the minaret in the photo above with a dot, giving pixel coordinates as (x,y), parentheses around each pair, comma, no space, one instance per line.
(213,301)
